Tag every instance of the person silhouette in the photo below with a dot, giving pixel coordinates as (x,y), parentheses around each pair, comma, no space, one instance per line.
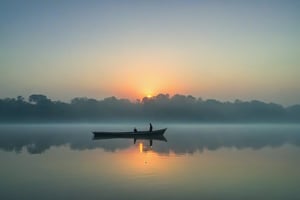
(150,129)
(135,130)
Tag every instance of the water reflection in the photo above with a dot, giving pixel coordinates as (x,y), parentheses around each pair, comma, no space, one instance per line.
(135,138)
(87,168)
(178,140)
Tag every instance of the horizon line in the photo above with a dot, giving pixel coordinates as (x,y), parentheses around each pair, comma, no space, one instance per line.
(138,100)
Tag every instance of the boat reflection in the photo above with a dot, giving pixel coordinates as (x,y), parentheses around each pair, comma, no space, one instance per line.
(149,138)
(144,148)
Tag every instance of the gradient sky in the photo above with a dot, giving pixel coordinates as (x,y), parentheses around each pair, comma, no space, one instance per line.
(211,49)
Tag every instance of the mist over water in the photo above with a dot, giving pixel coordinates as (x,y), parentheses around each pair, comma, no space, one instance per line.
(215,161)
(181,138)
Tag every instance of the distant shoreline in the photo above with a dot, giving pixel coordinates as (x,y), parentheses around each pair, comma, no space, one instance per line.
(161,108)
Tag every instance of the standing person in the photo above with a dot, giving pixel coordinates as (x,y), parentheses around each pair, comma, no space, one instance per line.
(150,129)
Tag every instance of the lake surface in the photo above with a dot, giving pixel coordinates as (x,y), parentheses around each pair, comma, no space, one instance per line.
(206,161)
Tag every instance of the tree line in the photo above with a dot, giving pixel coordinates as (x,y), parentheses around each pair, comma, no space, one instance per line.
(163,107)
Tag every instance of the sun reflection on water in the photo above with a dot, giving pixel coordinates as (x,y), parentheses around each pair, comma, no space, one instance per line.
(141,147)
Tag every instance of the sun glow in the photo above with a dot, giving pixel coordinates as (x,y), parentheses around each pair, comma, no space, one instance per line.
(145,73)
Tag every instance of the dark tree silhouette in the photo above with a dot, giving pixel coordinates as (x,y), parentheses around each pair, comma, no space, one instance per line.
(158,108)
(39,99)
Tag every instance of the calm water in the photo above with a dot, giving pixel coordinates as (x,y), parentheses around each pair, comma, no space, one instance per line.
(196,162)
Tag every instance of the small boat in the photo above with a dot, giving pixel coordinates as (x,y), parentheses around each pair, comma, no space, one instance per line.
(131,134)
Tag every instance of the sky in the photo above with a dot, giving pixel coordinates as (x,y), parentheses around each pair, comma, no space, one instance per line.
(224,50)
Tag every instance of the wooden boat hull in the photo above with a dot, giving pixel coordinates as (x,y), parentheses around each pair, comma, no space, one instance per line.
(138,137)
(139,134)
